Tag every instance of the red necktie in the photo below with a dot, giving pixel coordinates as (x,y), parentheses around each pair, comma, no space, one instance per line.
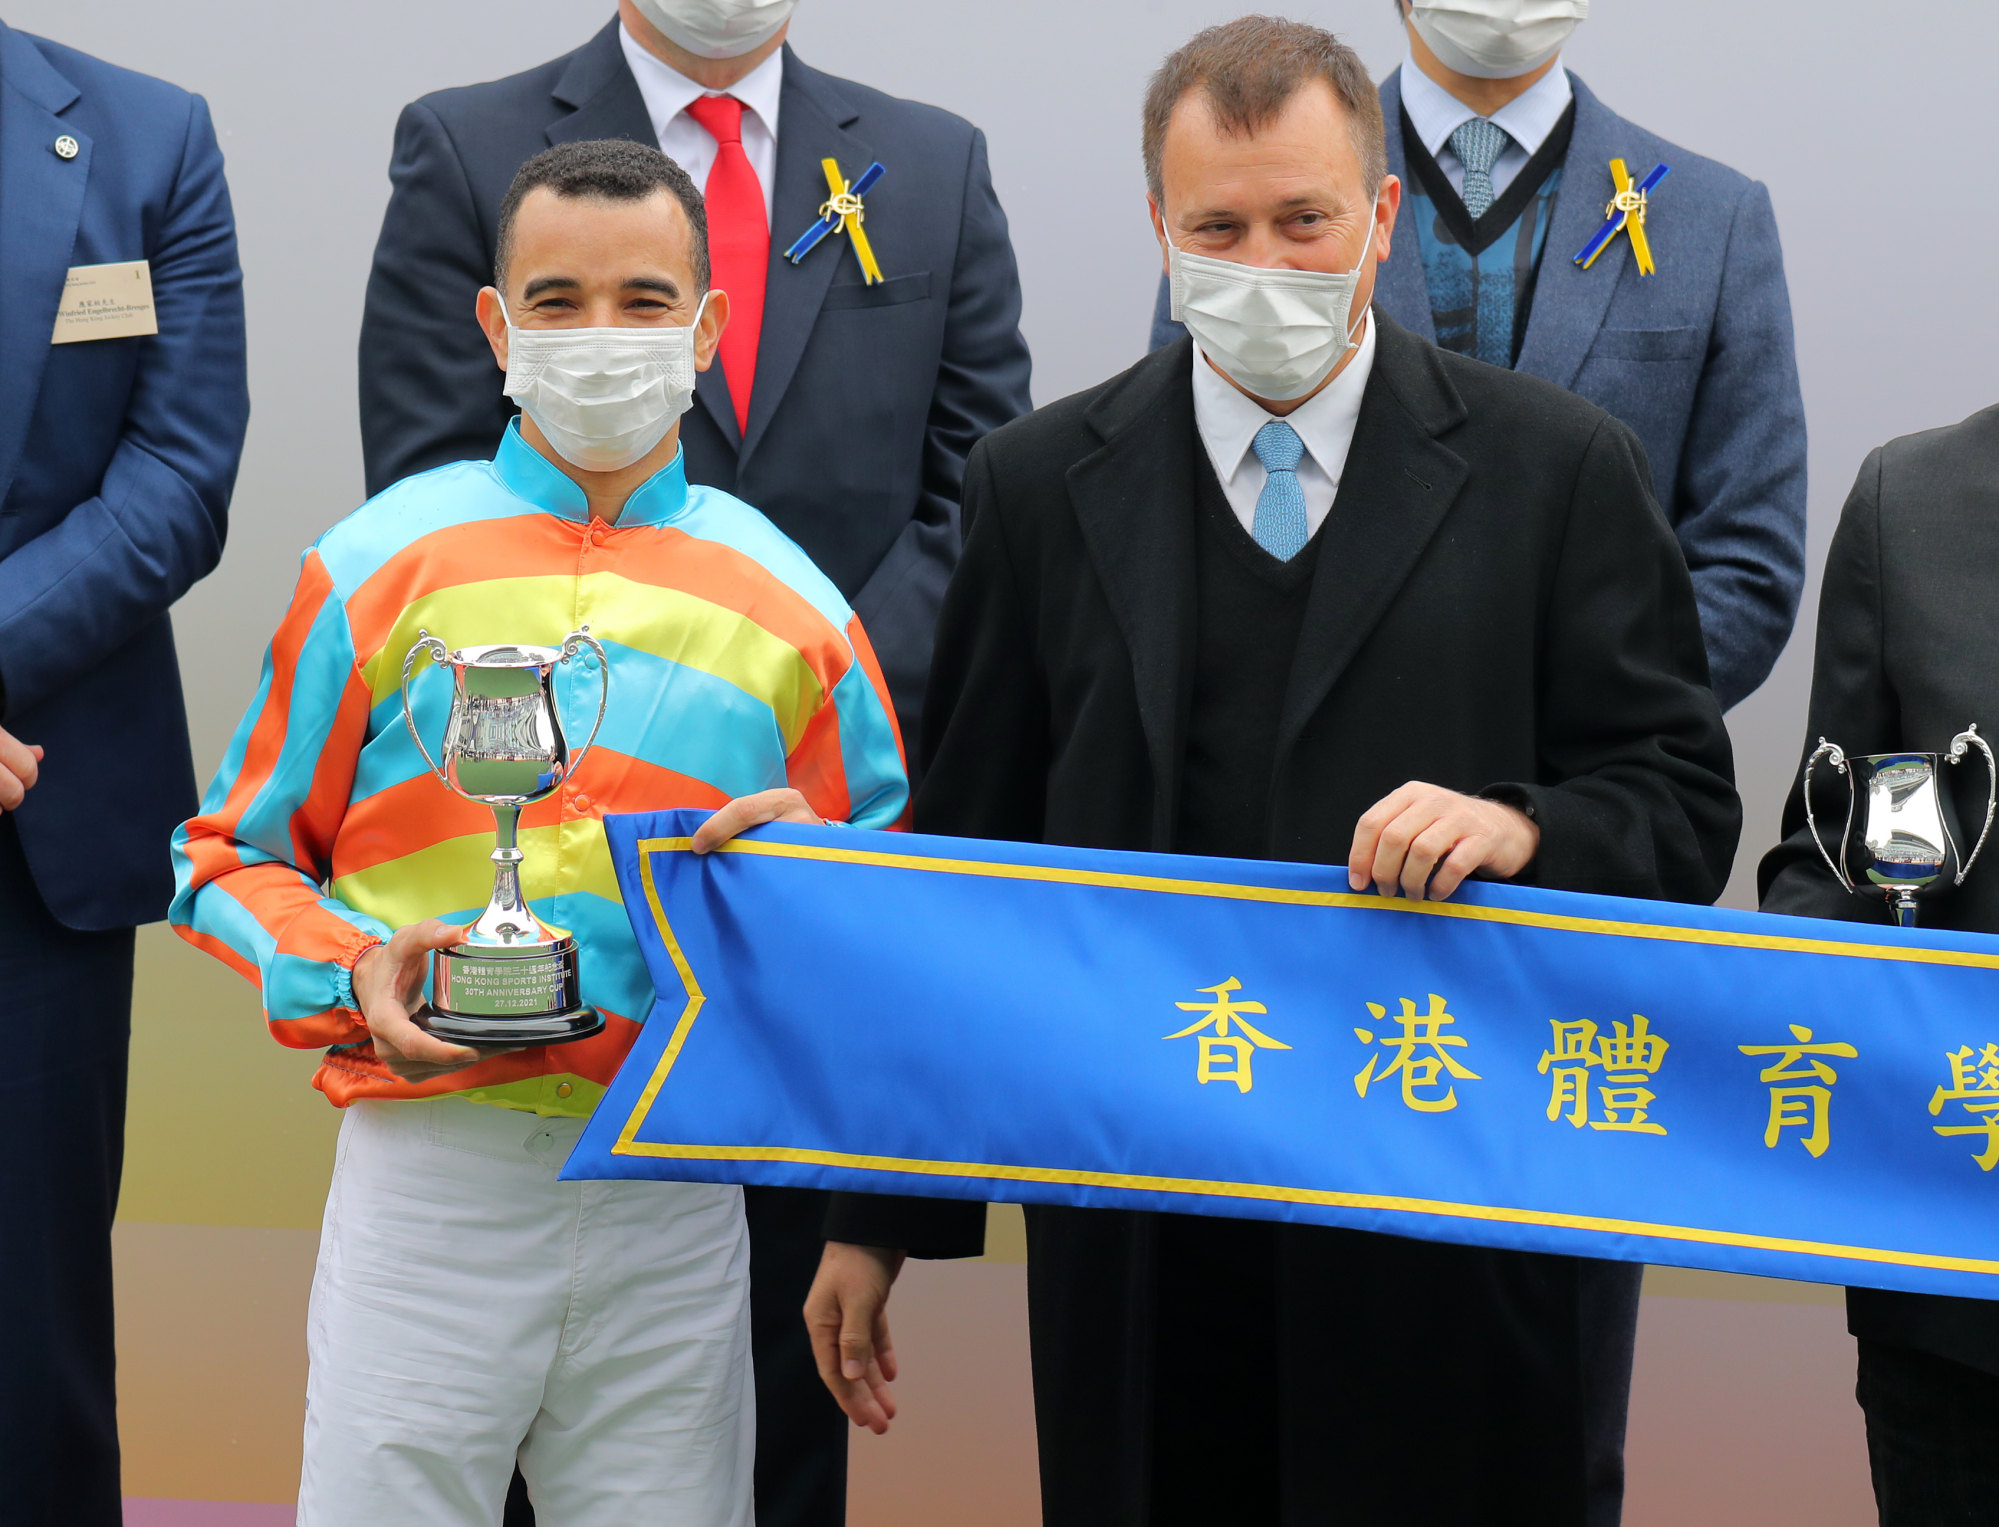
(738,243)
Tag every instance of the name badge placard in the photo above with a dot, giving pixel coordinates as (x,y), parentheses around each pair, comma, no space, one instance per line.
(106,302)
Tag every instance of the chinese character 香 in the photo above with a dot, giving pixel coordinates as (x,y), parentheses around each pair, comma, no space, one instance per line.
(1225,1056)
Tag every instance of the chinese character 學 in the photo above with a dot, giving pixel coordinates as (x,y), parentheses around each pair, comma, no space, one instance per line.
(1419,1073)
(1974,1082)
(1629,1056)
(1225,1056)
(1805,1107)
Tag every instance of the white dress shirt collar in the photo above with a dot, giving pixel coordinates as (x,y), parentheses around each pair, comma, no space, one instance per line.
(1228,420)
(667,91)
(1528,118)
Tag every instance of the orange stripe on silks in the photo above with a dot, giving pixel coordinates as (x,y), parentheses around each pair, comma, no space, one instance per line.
(356,1073)
(335,1026)
(267,735)
(486,551)
(407,818)
(208,943)
(315,825)
(208,854)
(864,653)
(277,896)
(816,768)
(478,551)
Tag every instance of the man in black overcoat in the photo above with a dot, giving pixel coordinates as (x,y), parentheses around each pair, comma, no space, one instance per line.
(1303,587)
(1908,657)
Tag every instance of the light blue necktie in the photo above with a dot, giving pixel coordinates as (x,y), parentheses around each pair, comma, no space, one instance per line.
(1279,527)
(1478,143)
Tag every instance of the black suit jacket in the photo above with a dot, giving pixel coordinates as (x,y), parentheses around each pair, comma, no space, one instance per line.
(867,399)
(1498,606)
(1908,656)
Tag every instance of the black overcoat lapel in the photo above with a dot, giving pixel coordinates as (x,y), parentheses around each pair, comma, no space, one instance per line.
(1398,485)
(1134,498)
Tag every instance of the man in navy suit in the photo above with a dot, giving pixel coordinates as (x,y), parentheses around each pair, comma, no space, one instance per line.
(119,440)
(843,407)
(1505,160)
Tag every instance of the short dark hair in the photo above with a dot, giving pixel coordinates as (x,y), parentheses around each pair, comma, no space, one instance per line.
(611,169)
(1248,69)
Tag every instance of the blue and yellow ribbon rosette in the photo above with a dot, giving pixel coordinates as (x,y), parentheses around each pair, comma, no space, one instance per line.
(843,209)
(1626,212)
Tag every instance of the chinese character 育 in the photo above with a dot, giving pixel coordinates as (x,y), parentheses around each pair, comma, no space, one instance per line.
(1806,1107)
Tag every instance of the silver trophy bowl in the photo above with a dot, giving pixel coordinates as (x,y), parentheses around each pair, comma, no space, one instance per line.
(1908,841)
(513,981)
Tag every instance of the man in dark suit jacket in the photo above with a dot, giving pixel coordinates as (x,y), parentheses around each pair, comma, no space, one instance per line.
(1486,657)
(1697,358)
(865,400)
(1907,658)
(118,450)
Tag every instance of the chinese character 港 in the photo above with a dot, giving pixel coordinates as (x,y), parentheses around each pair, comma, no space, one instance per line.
(1225,1056)
(1419,1073)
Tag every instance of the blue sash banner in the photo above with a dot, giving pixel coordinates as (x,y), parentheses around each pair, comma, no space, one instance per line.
(1530,1069)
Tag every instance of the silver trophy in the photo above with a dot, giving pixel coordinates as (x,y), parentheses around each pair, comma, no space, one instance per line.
(1909,836)
(514,979)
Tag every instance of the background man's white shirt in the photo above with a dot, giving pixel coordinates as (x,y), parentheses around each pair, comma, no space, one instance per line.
(1228,420)
(1528,119)
(685,141)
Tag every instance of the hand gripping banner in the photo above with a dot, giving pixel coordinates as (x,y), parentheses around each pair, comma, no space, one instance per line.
(891,1013)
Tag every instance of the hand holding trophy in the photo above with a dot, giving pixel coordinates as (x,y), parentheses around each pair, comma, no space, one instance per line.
(1909,836)
(513,981)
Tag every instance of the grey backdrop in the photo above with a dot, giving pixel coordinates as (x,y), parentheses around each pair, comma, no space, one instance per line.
(1863,118)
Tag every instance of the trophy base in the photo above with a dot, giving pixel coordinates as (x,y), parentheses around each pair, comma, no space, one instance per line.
(508,995)
(511,1033)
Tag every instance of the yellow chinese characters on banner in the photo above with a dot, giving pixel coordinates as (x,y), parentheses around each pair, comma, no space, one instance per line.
(1806,1107)
(1422,1056)
(1974,1086)
(1629,1057)
(1225,1056)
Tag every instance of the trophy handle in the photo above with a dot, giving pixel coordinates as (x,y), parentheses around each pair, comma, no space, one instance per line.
(1959,745)
(425,642)
(573,643)
(1832,753)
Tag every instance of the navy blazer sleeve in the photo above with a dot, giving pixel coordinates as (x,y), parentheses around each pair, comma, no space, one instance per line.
(1740,514)
(982,383)
(429,386)
(113,564)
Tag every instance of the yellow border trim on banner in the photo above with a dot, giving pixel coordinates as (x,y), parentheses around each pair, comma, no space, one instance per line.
(628,1143)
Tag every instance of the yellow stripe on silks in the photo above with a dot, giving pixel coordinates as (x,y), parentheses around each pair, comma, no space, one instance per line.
(457,873)
(669,624)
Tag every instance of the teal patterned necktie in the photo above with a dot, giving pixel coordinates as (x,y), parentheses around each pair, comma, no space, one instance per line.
(1279,527)
(1478,143)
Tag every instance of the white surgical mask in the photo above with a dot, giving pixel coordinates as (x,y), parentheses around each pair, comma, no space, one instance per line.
(603,397)
(1496,39)
(718,28)
(1276,333)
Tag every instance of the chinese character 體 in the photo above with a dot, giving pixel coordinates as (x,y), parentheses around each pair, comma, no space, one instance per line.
(1629,1057)
(1420,1032)
(1224,1055)
(1807,1107)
